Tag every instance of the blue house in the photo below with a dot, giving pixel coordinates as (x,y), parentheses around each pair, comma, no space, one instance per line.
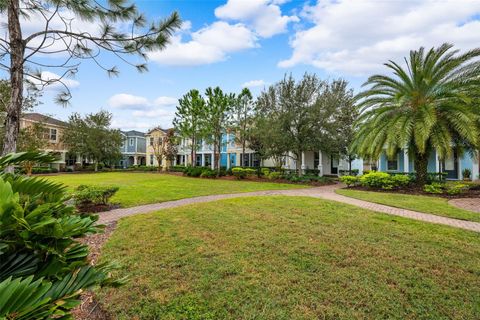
(133,149)
(453,166)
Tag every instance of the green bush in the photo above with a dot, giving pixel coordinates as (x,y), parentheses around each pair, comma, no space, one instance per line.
(86,195)
(349,180)
(400,180)
(193,171)
(250,171)
(374,179)
(383,180)
(467,174)
(43,266)
(434,187)
(457,188)
(265,172)
(239,173)
(177,168)
(275,175)
(208,173)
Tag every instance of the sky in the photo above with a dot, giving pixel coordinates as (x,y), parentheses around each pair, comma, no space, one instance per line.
(254,43)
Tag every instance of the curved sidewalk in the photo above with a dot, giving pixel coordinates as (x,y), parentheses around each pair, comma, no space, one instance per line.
(325,192)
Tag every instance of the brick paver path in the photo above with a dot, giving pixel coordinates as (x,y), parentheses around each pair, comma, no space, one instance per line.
(325,192)
(472,204)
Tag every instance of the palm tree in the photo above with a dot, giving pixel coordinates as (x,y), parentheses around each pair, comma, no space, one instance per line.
(427,105)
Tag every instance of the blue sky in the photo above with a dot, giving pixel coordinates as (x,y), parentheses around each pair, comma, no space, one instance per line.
(254,43)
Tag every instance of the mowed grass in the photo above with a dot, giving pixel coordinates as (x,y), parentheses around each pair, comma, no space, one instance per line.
(137,188)
(427,204)
(290,258)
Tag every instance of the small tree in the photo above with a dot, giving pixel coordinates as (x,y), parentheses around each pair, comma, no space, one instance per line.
(169,150)
(32,139)
(92,138)
(242,116)
(188,118)
(158,145)
(215,123)
(295,117)
(26,53)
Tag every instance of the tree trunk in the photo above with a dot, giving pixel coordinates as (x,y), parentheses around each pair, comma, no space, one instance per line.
(193,153)
(421,168)
(95,166)
(14,108)
(219,153)
(243,150)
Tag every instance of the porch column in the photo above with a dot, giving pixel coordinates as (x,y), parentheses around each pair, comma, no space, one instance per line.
(437,162)
(202,162)
(228,161)
(303,166)
(134,160)
(406,162)
(320,165)
(212,160)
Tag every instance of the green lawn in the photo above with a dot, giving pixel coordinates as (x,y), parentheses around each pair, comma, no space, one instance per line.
(291,258)
(434,205)
(143,188)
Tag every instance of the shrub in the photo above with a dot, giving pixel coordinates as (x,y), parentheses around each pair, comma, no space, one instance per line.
(400,180)
(208,173)
(44,268)
(457,188)
(86,195)
(239,173)
(275,175)
(250,171)
(349,180)
(265,171)
(467,174)
(434,187)
(376,179)
(193,171)
(177,168)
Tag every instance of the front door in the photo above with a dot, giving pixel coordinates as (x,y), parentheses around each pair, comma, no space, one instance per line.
(450,166)
(334,165)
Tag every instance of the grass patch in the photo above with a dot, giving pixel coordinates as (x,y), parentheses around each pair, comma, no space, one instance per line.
(291,258)
(427,204)
(144,188)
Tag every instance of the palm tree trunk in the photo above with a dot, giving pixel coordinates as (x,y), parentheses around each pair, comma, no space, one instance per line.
(421,168)
(14,108)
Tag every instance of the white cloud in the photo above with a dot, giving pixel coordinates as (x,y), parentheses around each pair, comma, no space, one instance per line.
(356,37)
(254,83)
(127,101)
(264,16)
(54,85)
(207,45)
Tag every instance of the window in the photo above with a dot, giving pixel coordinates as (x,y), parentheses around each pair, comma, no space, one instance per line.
(392,165)
(208,160)
(151,159)
(316,160)
(198,160)
(131,142)
(53,134)
(151,141)
(231,138)
(256,160)
(246,159)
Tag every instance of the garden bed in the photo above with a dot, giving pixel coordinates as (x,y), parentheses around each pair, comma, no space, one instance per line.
(413,190)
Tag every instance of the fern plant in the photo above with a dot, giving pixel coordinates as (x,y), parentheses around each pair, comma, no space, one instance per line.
(43,267)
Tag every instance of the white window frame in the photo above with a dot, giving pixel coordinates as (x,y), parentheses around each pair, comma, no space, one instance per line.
(50,134)
(131,142)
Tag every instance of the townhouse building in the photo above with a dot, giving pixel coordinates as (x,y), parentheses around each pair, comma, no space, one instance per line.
(133,149)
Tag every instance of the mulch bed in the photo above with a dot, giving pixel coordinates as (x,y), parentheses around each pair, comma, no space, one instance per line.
(419,192)
(90,308)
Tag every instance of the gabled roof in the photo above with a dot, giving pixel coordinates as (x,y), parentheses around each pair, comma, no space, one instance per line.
(133,133)
(157,128)
(41,118)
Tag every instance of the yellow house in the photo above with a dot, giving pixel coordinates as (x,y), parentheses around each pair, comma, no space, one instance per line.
(53,134)
(155,144)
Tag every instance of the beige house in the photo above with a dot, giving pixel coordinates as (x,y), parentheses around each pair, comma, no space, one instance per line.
(54,130)
(155,143)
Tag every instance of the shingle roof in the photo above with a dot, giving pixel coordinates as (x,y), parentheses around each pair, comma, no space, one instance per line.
(134,133)
(38,117)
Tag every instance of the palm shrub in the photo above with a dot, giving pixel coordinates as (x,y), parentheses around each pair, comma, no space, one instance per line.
(43,268)
(427,105)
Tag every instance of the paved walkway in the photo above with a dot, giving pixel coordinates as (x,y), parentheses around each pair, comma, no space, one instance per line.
(472,204)
(325,192)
